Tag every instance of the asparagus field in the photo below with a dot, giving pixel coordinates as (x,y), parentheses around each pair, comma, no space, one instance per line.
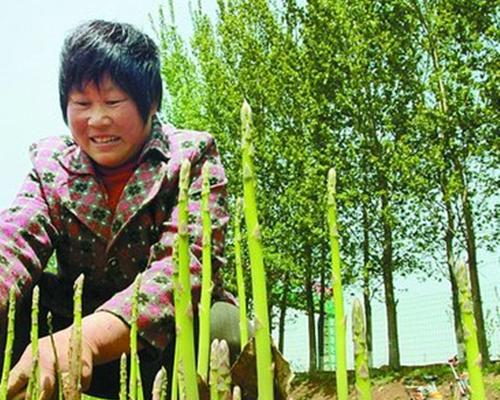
(260,371)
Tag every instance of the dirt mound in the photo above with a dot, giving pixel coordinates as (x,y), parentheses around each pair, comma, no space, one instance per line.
(322,387)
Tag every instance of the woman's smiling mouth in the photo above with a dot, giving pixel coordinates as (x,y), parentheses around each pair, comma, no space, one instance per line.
(105,139)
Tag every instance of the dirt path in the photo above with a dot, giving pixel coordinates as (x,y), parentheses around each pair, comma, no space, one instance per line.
(319,389)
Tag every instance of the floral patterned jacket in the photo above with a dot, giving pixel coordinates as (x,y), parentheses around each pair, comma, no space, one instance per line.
(62,207)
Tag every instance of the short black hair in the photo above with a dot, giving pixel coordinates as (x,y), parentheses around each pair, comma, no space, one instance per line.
(130,57)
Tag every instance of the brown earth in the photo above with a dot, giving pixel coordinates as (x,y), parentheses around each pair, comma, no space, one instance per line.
(321,387)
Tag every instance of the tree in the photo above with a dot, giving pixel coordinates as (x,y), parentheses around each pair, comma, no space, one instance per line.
(456,38)
(350,85)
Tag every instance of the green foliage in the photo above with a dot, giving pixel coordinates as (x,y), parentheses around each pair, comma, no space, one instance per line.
(456,118)
(351,85)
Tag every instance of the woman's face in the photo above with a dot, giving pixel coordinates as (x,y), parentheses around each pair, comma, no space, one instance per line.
(105,122)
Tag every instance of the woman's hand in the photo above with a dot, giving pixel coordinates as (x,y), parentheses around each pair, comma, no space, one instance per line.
(20,374)
(104,338)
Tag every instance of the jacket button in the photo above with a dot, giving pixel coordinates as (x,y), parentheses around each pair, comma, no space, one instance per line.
(112,262)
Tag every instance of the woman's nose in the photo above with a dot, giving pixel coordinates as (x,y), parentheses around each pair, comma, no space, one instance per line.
(99,117)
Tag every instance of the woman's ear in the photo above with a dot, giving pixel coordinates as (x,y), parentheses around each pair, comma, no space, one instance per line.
(154,109)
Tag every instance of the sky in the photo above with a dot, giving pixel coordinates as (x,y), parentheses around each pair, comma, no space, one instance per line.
(31,35)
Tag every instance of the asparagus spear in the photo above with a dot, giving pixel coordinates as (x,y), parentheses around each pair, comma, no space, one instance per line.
(134,368)
(220,371)
(32,391)
(363,384)
(182,290)
(73,388)
(123,377)
(160,385)
(9,343)
(340,346)
(206,284)
(470,333)
(239,275)
(56,358)
(265,372)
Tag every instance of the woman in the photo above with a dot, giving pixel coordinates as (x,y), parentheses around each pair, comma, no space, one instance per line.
(105,200)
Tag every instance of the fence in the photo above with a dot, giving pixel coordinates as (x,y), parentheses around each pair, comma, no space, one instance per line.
(425,323)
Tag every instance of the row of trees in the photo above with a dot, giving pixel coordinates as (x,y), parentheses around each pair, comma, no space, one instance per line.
(399,95)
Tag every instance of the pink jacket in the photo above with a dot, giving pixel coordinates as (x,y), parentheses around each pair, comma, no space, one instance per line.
(62,207)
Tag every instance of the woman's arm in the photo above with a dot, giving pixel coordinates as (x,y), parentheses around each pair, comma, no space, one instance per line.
(26,240)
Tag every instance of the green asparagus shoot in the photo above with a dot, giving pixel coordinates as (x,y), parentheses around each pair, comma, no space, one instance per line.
(56,358)
(160,385)
(265,371)
(206,284)
(214,371)
(175,373)
(239,274)
(363,384)
(470,333)
(9,343)
(220,371)
(123,377)
(236,393)
(140,391)
(182,290)
(134,368)
(73,389)
(340,328)
(32,391)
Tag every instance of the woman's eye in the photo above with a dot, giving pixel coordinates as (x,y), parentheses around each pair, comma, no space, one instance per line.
(82,103)
(114,102)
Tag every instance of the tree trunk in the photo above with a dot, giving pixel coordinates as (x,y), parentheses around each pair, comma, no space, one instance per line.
(390,302)
(387,256)
(321,322)
(321,340)
(474,278)
(310,312)
(448,237)
(366,285)
(282,316)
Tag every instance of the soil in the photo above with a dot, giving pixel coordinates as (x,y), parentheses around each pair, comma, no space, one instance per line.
(322,386)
